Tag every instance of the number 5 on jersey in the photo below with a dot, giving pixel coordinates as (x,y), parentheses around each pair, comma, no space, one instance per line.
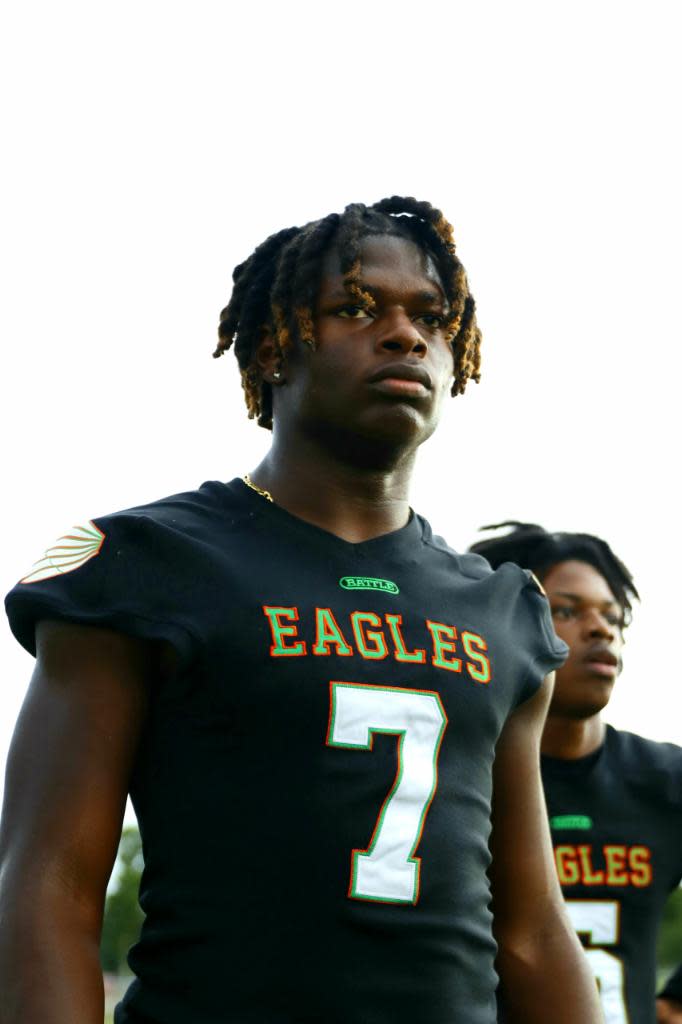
(388,870)
(599,921)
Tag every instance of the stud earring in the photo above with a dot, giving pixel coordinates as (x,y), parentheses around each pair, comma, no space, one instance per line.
(277,375)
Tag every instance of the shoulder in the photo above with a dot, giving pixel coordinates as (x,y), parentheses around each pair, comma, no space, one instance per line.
(513,594)
(134,571)
(648,767)
(508,576)
(188,511)
(512,607)
(639,753)
(190,514)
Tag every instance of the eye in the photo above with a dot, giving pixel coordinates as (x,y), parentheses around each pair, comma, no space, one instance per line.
(353,312)
(563,612)
(432,320)
(614,619)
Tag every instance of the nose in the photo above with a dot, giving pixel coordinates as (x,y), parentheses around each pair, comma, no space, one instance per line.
(597,625)
(397,333)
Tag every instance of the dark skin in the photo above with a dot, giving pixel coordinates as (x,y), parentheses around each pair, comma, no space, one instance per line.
(67,780)
(668,1011)
(588,618)
(336,424)
(331,423)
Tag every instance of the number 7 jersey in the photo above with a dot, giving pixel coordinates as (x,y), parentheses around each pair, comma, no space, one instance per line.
(313,786)
(616,820)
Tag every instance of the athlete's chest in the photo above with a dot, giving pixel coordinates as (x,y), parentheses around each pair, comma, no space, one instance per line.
(616,847)
(613,837)
(354,703)
(289,632)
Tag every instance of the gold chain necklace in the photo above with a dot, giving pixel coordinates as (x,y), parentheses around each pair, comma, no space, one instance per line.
(259,490)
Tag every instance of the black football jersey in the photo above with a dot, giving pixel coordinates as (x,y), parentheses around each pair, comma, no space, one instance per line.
(616,820)
(313,787)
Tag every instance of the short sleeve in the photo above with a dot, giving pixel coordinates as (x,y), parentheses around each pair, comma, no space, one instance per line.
(546,651)
(125,572)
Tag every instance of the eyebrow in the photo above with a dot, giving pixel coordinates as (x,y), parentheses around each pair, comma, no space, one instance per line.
(425,295)
(337,295)
(578,598)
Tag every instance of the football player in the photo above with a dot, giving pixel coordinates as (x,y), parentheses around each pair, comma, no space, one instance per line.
(614,799)
(317,707)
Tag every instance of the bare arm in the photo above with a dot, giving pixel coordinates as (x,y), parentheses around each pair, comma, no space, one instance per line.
(544,975)
(669,1001)
(668,1011)
(67,780)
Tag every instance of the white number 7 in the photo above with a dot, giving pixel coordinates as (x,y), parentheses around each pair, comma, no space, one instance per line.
(388,870)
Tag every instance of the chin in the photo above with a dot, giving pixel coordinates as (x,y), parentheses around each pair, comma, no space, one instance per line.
(587,711)
(587,707)
(371,452)
(380,441)
(582,698)
(402,426)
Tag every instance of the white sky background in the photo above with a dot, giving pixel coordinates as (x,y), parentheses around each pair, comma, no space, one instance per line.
(149,146)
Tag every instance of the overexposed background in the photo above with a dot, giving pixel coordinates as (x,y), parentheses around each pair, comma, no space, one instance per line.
(149,146)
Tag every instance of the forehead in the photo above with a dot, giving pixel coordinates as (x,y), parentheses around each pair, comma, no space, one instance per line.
(387,261)
(580,579)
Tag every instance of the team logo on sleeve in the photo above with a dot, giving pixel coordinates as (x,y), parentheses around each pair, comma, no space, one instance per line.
(68,553)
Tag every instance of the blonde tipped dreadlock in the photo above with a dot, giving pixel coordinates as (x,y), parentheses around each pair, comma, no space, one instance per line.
(276,288)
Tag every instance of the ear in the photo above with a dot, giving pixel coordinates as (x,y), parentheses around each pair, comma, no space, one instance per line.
(269,358)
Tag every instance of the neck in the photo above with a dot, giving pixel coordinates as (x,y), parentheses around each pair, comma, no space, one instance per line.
(570,738)
(354,502)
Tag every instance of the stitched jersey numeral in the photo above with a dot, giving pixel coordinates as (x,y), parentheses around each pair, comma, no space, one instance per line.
(599,921)
(388,870)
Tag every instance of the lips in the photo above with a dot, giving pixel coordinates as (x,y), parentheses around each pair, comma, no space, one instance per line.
(601,663)
(402,371)
(598,654)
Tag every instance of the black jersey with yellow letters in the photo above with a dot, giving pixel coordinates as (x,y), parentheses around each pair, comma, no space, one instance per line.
(616,820)
(313,786)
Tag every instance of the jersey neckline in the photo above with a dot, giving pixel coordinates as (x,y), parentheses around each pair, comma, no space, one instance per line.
(578,765)
(402,540)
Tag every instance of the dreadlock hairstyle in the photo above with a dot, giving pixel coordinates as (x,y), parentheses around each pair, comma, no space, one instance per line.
(532,547)
(276,288)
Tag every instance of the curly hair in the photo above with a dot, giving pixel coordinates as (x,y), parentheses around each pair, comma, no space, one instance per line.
(275,289)
(534,548)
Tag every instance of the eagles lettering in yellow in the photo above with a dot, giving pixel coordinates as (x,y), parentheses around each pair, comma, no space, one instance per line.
(374,637)
(610,865)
